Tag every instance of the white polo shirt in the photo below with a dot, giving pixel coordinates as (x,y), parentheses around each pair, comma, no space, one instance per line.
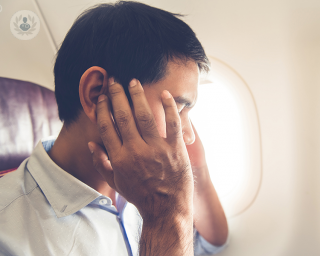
(46,211)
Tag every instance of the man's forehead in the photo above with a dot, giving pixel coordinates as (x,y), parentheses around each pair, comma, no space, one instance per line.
(184,79)
(176,65)
(181,80)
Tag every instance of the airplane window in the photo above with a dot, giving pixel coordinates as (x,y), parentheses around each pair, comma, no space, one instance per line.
(226,119)
(217,119)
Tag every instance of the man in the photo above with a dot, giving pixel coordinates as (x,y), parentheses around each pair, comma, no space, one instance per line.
(126,76)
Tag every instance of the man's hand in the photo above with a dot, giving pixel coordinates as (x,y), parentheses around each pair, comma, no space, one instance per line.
(209,217)
(196,152)
(151,172)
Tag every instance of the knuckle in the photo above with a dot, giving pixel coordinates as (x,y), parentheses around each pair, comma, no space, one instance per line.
(146,120)
(115,90)
(122,118)
(103,127)
(137,92)
(144,116)
(172,105)
(175,125)
(100,106)
(172,110)
(175,129)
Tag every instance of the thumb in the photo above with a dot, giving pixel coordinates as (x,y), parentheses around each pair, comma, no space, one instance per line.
(101,163)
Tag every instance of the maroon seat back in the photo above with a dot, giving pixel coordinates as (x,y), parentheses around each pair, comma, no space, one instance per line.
(28,112)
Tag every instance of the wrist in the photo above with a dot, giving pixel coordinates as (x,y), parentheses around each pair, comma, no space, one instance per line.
(175,220)
(172,235)
(174,210)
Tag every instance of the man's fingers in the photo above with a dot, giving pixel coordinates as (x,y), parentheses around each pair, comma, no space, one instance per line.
(106,127)
(101,163)
(173,122)
(122,111)
(144,116)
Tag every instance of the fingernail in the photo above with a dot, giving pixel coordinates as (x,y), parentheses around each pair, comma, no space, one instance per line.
(166,94)
(133,82)
(90,147)
(102,97)
(111,80)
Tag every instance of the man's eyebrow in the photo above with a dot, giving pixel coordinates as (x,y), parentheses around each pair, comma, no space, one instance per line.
(184,101)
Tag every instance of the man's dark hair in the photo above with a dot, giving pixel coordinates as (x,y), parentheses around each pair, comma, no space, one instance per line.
(129,40)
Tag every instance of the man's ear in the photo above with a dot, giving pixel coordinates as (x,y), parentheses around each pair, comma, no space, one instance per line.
(93,83)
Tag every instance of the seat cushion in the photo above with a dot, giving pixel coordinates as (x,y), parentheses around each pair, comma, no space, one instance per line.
(28,112)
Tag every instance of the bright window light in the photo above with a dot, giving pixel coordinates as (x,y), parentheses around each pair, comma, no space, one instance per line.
(218,120)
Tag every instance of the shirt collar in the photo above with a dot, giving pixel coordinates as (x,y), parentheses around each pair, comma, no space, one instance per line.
(65,193)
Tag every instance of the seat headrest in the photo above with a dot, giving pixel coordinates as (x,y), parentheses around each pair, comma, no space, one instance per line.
(28,112)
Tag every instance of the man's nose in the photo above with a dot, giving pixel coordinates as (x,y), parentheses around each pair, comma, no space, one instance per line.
(188,134)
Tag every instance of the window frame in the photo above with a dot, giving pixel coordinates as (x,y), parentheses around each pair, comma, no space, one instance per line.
(244,195)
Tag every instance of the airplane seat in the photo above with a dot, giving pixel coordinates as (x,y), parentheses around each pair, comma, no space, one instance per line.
(28,112)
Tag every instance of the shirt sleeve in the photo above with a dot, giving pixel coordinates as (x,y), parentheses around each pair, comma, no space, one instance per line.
(203,247)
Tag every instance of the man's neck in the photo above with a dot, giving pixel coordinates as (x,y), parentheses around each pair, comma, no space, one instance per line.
(70,152)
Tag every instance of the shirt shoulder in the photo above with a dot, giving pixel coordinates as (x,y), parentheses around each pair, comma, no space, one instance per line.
(15,185)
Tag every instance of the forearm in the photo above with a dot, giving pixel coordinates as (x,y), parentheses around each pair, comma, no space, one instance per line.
(209,216)
(168,236)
